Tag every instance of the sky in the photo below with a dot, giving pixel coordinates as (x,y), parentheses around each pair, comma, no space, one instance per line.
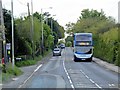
(65,10)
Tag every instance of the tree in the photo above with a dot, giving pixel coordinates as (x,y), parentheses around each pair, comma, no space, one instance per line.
(104,30)
(7,23)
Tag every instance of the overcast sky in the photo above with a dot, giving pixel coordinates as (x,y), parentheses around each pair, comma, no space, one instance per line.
(65,10)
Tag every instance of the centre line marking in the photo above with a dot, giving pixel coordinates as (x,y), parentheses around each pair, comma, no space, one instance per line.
(71,83)
(90,79)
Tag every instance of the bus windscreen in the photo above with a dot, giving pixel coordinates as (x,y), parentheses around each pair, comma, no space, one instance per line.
(83,38)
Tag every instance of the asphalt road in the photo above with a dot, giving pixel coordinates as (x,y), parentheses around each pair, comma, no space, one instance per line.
(63,72)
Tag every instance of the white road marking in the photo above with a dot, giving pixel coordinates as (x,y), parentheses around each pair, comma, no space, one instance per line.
(86,76)
(67,74)
(52,59)
(97,85)
(72,86)
(1,84)
(111,85)
(68,77)
(71,83)
(30,75)
(90,79)
(37,68)
(14,79)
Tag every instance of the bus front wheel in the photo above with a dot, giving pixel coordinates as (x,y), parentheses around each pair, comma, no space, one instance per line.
(75,58)
(90,59)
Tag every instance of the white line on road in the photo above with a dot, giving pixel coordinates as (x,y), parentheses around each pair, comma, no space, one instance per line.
(86,76)
(30,75)
(97,85)
(37,68)
(90,79)
(1,84)
(71,83)
(111,85)
(72,86)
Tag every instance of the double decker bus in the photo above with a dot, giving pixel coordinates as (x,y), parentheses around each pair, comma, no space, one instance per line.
(83,46)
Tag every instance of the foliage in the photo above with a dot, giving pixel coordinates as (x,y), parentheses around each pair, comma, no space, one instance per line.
(16,71)
(7,23)
(57,30)
(25,63)
(105,33)
(69,44)
(10,72)
(60,42)
(69,41)
(26,41)
(31,62)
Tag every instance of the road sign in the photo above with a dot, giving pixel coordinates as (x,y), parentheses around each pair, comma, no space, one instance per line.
(8,46)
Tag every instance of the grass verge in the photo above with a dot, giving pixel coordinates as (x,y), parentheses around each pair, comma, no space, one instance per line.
(10,72)
(26,63)
(32,62)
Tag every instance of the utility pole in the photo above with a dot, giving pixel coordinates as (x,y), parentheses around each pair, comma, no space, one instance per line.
(42,22)
(119,12)
(31,26)
(2,34)
(13,61)
(28,9)
(42,30)
(32,29)
(51,25)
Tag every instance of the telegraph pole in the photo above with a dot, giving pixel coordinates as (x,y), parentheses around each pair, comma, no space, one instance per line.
(42,30)
(119,12)
(32,29)
(51,25)
(28,9)
(13,61)
(2,34)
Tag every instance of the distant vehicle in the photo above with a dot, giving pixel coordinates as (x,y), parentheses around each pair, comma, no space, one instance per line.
(57,52)
(62,46)
(83,46)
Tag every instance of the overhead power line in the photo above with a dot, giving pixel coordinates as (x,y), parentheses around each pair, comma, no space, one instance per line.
(22,3)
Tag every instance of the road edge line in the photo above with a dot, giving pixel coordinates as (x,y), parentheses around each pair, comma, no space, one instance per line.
(30,76)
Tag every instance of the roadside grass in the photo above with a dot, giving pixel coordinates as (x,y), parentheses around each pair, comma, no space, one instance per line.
(9,72)
(31,61)
(47,52)
(25,63)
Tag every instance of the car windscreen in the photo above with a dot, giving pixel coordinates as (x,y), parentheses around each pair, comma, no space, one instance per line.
(56,50)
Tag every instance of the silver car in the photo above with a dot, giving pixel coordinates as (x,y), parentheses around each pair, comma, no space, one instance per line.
(57,52)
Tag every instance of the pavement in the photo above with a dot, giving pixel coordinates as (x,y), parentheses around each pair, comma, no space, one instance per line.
(27,71)
(107,65)
(17,81)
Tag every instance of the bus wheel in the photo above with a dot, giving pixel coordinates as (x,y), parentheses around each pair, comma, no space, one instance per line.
(75,59)
(90,59)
